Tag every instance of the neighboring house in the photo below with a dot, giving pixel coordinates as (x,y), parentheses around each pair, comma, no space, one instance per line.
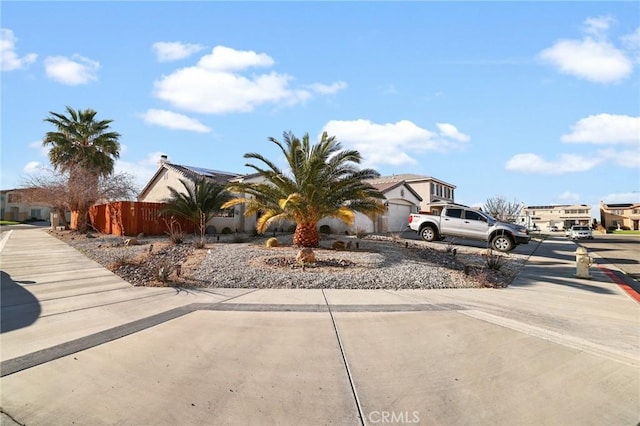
(620,215)
(14,206)
(404,194)
(428,188)
(400,199)
(558,215)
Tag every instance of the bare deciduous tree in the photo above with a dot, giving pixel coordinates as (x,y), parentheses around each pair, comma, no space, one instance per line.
(65,191)
(502,209)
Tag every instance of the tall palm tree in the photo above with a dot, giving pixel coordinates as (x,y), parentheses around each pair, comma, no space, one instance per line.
(86,149)
(198,203)
(323,181)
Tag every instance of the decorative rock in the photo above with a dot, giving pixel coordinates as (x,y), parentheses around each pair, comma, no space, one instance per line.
(140,235)
(306,255)
(338,245)
(272,242)
(130,242)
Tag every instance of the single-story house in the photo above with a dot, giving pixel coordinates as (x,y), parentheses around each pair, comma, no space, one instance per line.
(405,194)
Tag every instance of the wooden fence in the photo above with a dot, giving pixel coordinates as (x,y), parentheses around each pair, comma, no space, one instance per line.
(132,218)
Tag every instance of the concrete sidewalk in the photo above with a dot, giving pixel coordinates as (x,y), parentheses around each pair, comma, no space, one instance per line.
(80,345)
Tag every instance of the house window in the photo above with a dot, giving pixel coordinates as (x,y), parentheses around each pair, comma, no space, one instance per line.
(37,213)
(13,198)
(225,213)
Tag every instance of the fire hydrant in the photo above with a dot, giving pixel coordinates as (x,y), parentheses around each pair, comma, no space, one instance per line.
(583,262)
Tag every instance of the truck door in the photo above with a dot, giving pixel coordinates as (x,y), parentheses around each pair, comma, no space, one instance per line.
(451,222)
(475,225)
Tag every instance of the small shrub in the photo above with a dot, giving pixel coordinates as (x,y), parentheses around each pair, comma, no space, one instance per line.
(494,261)
(176,237)
(174,230)
(338,245)
(200,243)
(226,230)
(272,242)
(120,260)
(325,229)
(450,245)
(162,272)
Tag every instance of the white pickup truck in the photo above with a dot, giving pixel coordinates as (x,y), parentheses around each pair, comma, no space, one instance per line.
(456,220)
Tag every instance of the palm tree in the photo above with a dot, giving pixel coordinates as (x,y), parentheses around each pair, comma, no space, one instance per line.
(323,181)
(86,149)
(198,203)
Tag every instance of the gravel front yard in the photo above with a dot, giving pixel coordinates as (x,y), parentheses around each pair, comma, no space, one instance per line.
(238,261)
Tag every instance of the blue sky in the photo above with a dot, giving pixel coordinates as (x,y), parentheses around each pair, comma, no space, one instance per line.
(537,102)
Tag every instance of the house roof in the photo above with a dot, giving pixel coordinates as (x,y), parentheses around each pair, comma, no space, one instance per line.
(619,205)
(190,172)
(388,186)
(409,178)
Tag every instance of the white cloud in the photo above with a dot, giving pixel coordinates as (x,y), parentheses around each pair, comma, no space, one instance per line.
(621,197)
(630,158)
(569,196)
(215,85)
(598,27)
(450,131)
(328,89)
(631,42)
(224,58)
(167,51)
(389,143)
(72,71)
(42,149)
(592,58)
(32,167)
(566,163)
(173,120)
(596,61)
(141,170)
(9,59)
(605,129)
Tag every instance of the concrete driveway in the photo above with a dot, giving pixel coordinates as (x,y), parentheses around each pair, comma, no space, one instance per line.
(550,349)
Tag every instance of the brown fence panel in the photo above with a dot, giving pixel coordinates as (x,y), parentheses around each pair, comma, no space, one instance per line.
(132,218)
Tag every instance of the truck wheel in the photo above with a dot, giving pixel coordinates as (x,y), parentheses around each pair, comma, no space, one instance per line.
(428,233)
(502,243)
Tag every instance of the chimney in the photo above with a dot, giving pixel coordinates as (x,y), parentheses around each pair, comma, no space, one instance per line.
(163,159)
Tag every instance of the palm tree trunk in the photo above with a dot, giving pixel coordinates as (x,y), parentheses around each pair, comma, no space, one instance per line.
(306,235)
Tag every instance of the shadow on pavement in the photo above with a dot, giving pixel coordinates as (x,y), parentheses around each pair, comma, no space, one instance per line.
(18,308)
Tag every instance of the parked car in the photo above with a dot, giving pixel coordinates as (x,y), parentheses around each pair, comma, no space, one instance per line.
(580,232)
(457,220)
(553,228)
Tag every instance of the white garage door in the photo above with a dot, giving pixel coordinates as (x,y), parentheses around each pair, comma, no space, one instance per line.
(397,217)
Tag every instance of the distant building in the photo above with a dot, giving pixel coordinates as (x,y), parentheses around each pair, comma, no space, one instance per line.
(558,215)
(15,205)
(620,216)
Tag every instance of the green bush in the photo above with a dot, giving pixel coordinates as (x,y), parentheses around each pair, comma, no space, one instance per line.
(226,230)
